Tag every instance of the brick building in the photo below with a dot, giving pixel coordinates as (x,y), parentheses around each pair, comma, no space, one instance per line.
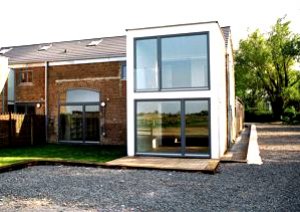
(179,98)
(79,86)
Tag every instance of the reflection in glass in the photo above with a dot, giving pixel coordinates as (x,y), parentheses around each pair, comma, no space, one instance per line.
(81,95)
(71,123)
(146,64)
(92,123)
(158,127)
(196,127)
(184,61)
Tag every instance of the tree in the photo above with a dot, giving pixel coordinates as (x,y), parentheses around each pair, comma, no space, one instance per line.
(264,68)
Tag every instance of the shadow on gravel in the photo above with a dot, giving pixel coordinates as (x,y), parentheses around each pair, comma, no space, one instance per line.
(280,128)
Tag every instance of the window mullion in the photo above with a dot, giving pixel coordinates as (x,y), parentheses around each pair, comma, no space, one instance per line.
(183,144)
(159,64)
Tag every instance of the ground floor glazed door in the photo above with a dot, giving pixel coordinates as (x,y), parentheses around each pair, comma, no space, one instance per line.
(79,116)
(79,123)
(172,127)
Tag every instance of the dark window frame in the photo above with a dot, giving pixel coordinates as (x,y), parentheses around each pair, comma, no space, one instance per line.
(26,107)
(182,128)
(159,62)
(28,79)
(83,104)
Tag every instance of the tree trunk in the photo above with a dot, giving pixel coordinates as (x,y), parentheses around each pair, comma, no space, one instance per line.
(277,107)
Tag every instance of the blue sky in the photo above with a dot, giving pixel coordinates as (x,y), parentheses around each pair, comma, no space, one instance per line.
(35,21)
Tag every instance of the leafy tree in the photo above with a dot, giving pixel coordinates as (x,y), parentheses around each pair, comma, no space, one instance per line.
(264,68)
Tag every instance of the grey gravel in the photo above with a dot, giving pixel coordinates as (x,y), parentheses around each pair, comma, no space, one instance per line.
(273,186)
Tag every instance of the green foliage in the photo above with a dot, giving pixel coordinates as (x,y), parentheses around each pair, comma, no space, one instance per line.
(264,68)
(291,116)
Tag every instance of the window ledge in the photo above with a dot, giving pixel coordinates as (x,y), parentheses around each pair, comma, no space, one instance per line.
(25,84)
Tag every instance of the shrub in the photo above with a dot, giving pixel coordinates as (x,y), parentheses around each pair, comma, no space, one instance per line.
(291,116)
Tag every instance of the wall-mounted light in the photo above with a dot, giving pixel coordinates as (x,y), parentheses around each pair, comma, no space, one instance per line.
(103,104)
(38,105)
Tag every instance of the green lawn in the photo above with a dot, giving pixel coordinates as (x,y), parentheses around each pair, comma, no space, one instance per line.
(79,153)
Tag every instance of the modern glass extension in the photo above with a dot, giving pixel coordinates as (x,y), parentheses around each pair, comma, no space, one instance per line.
(173,127)
(79,116)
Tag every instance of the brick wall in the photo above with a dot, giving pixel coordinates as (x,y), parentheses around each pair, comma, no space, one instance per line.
(32,92)
(101,77)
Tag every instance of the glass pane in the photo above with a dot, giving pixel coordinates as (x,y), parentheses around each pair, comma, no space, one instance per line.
(146,65)
(11,86)
(71,123)
(92,120)
(197,127)
(30,109)
(21,109)
(23,77)
(124,72)
(158,127)
(184,61)
(29,76)
(80,95)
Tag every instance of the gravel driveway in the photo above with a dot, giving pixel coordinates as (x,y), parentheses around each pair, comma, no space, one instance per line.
(273,186)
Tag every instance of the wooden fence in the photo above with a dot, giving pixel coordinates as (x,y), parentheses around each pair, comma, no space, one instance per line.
(21,129)
(239,116)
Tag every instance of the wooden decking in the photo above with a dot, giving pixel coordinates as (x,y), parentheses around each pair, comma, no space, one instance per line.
(163,163)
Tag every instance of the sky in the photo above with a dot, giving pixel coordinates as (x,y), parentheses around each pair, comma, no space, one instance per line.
(41,21)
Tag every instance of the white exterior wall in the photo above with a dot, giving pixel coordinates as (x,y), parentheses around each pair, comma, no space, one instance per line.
(4,71)
(216,94)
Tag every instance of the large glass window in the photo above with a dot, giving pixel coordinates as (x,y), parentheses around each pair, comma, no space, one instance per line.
(172,62)
(146,65)
(179,127)
(158,127)
(80,116)
(184,62)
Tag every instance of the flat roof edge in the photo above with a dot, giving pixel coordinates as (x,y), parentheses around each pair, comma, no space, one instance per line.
(173,25)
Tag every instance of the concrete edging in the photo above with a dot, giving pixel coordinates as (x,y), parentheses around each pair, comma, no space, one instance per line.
(253,154)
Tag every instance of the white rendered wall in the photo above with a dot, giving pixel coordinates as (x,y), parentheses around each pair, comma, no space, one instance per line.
(216,94)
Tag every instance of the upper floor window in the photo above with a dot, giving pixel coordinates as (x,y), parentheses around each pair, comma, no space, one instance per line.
(25,76)
(172,62)
(123,72)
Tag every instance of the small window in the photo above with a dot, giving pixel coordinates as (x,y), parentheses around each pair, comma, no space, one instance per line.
(25,77)
(45,47)
(123,72)
(94,43)
(5,50)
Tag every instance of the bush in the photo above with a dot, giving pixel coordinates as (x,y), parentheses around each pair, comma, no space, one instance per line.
(291,116)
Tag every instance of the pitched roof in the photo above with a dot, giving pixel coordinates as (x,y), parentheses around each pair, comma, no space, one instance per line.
(67,50)
(107,47)
(226,32)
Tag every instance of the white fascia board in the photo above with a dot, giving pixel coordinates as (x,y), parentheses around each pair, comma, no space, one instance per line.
(69,62)
(100,60)
(30,65)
